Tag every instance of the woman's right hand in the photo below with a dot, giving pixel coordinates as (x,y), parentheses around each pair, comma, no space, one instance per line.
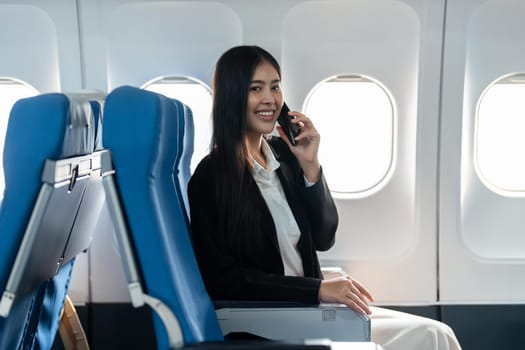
(346,290)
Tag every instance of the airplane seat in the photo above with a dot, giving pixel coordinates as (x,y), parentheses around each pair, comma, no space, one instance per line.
(141,131)
(46,213)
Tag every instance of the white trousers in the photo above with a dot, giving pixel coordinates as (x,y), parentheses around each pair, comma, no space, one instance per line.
(395,330)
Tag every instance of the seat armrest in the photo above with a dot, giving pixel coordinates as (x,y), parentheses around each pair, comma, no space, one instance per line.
(322,344)
(221,304)
(293,321)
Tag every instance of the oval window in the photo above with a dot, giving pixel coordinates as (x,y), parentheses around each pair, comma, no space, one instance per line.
(499,135)
(355,117)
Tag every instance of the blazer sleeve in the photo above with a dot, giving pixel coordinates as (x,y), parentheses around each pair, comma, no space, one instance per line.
(322,213)
(225,277)
(317,200)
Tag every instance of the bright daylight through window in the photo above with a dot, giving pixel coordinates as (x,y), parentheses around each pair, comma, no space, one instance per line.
(499,139)
(355,117)
(11,90)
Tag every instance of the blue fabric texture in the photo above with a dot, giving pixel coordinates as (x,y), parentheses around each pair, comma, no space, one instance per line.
(142,131)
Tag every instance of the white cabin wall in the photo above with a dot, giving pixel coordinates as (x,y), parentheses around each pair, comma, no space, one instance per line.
(259,22)
(482,254)
(40,44)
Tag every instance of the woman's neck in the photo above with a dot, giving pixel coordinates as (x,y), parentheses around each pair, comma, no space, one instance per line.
(254,144)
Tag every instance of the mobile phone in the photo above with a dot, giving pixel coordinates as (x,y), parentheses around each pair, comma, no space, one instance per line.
(290,129)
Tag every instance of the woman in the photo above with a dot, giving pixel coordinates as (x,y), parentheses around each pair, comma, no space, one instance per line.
(260,207)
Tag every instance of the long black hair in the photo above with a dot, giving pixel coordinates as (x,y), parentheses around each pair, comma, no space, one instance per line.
(232,79)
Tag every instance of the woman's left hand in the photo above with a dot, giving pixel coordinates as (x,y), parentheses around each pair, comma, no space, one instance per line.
(306,147)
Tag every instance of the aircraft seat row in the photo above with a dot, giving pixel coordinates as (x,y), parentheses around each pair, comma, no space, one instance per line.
(61,169)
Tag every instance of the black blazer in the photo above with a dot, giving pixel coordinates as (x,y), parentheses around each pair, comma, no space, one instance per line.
(259,274)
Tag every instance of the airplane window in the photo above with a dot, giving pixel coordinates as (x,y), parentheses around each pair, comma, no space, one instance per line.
(197,96)
(355,117)
(11,90)
(499,142)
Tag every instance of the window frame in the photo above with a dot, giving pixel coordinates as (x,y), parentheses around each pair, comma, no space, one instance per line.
(390,166)
(512,78)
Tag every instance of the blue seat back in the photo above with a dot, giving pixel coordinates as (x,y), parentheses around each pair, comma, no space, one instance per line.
(43,127)
(142,131)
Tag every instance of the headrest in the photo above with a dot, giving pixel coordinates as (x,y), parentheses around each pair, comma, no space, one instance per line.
(154,140)
(95,99)
(66,129)
(79,137)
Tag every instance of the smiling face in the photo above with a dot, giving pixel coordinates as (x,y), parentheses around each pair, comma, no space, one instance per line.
(265,100)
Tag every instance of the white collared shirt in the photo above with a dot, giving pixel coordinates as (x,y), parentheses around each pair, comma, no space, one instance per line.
(288,232)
